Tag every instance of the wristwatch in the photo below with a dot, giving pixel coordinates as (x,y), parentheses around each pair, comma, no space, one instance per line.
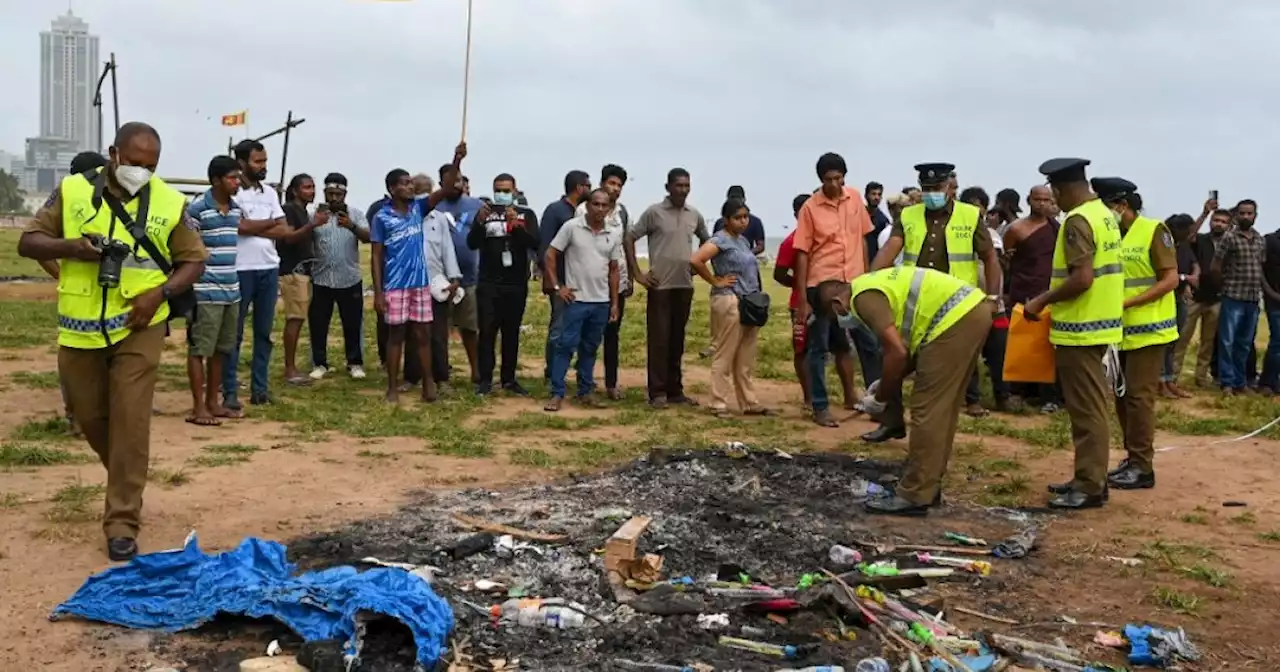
(164,292)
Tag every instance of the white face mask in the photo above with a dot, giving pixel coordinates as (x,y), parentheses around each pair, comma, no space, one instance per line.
(132,178)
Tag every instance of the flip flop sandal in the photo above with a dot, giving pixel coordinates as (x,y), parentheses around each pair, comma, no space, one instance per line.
(203,422)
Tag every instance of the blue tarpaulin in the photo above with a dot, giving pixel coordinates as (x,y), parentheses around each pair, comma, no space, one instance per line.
(186,588)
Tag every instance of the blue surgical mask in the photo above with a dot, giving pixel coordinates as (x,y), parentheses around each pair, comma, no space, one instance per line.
(934,200)
(503,198)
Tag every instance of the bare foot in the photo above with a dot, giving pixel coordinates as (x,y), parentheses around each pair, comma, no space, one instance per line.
(224,412)
(203,419)
(405,387)
(393,396)
(429,394)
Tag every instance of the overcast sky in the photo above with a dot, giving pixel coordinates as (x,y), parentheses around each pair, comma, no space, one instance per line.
(1179,96)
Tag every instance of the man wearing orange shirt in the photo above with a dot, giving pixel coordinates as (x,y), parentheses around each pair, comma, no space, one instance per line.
(830,248)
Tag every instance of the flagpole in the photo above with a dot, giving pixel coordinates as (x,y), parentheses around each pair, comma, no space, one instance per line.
(466,74)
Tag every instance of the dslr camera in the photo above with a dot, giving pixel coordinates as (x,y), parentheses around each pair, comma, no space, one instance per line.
(113,254)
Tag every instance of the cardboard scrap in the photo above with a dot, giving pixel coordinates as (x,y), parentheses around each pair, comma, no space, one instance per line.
(474,523)
(622,545)
(645,570)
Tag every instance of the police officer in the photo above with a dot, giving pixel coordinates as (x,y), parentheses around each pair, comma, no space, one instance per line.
(112,306)
(934,323)
(1086,292)
(945,235)
(1150,262)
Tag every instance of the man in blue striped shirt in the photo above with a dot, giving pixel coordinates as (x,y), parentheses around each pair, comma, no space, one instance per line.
(211,335)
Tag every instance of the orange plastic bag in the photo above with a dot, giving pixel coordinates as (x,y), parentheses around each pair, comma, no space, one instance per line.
(1028,357)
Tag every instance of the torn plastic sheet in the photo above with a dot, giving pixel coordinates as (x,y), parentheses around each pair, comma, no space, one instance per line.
(186,588)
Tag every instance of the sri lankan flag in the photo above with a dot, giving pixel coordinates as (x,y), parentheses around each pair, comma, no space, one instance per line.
(237,119)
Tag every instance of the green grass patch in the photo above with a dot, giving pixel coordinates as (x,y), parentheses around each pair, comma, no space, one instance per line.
(536,421)
(223,455)
(1195,519)
(40,380)
(377,455)
(1246,519)
(54,428)
(1175,555)
(169,478)
(1273,536)
(1180,602)
(29,324)
(72,503)
(31,455)
(531,457)
(11,500)
(1210,576)
(1051,434)
(1007,491)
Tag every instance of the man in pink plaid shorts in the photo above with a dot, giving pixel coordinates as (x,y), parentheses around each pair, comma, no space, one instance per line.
(401,288)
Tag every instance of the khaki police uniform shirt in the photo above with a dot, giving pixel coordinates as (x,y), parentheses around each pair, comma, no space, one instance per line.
(185,244)
(874,309)
(933,253)
(1080,245)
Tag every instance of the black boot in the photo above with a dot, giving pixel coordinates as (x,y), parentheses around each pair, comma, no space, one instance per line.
(121,549)
(1124,464)
(1074,499)
(884,433)
(1064,488)
(893,505)
(1131,478)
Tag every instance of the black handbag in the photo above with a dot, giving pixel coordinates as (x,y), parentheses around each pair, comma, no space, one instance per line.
(753,307)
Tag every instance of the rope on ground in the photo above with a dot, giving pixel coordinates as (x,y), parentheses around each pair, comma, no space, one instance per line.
(1246,437)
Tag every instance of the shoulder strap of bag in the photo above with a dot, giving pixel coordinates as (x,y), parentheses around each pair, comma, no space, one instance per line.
(139,232)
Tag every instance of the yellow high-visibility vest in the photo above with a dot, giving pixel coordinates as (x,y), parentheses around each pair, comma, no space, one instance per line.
(1154,323)
(1096,316)
(962,260)
(91,317)
(925,302)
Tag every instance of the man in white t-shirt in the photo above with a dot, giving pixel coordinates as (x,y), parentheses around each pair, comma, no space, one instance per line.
(262,223)
(612,179)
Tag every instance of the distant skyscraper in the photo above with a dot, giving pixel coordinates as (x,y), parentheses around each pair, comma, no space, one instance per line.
(68,74)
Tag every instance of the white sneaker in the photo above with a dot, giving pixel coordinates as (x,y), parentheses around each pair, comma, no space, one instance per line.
(357,372)
(319,372)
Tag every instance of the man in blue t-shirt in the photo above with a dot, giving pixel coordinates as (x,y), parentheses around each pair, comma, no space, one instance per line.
(462,315)
(401,291)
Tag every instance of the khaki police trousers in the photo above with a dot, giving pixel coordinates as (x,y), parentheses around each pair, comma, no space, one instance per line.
(1084,392)
(943,367)
(1137,408)
(110,391)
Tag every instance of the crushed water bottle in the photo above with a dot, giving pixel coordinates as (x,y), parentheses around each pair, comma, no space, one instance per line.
(843,556)
(551,613)
(873,665)
(863,489)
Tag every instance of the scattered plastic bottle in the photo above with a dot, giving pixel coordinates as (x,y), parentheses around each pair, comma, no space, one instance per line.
(819,668)
(544,613)
(864,489)
(843,556)
(873,665)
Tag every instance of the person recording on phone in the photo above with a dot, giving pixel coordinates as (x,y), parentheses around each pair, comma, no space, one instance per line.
(118,284)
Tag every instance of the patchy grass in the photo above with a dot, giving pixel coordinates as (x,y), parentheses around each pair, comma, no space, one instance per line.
(531,457)
(1175,555)
(223,455)
(1245,519)
(1208,575)
(40,380)
(28,324)
(377,455)
(71,503)
(30,455)
(1006,491)
(168,478)
(1052,435)
(11,500)
(52,428)
(1273,535)
(1194,519)
(1175,600)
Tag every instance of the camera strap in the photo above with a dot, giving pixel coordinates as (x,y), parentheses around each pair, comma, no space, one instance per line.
(138,231)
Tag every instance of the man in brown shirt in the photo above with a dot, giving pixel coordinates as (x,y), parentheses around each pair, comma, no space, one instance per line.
(669,227)
(114,385)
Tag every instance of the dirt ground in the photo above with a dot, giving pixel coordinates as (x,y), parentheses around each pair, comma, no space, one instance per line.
(295,489)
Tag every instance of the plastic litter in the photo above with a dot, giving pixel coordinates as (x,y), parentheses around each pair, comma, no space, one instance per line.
(1016,546)
(776,650)
(553,613)
(843,556)
(1111,639)
(273,649)
(506,546)
(863,489)
(819,668)
(186,588)
(873,665)
(713,621)
(624,664)
(964,539)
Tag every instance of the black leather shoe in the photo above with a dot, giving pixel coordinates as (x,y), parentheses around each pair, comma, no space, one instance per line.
(1131,478)
(1124,464)
(515,388)
(884,433)
(1074,499)
(937,499)
(1064,488)
(121,549)
(484,389)
(893,505)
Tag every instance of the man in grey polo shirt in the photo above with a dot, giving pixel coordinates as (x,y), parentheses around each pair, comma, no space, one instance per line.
(670,227)
(336,276)
(592,256)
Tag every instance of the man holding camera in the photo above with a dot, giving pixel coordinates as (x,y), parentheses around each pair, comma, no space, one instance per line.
(127,250)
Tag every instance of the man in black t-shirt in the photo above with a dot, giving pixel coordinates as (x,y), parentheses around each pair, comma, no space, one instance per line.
(296,252)
(1206,297)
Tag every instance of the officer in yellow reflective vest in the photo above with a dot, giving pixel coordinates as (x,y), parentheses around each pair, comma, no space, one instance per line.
(1150,262)
(1086,291)
(933,323)
(112,306)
